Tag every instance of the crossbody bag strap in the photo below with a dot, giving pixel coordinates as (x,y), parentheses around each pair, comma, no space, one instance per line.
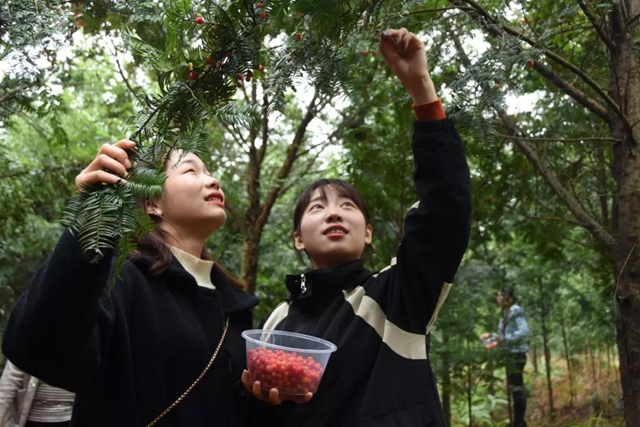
(202,374)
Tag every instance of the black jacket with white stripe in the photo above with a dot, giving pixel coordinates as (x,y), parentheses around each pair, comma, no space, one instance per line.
(380,374)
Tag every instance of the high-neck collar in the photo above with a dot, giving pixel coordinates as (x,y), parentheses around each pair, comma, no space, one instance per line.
(327,281)
(199,268)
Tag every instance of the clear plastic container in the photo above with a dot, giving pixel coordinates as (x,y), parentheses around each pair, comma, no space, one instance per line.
(291,362)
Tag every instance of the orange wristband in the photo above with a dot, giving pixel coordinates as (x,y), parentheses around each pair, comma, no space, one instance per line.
(430,111)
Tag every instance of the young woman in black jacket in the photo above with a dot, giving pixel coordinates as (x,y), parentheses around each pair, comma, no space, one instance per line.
(131,352)
(380,374)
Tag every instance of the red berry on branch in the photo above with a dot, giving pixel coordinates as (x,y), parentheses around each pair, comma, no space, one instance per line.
(240,77)
(249,76)
(264,15)
(194,75)
(364,53)
(199,20)
(374,52)
(298,37)
(261,68)
(260,5)
(530,63)
(209,60)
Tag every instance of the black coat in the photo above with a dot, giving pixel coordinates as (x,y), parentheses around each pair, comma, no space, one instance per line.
(129,354)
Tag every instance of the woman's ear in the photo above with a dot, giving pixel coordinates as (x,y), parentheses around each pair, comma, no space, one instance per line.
(297,241)
(152,208)
(368,234)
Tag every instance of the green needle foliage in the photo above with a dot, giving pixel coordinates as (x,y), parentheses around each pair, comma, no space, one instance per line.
(109,217)
(213,50)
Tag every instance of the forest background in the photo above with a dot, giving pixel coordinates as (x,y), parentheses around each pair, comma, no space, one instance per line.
(546,95)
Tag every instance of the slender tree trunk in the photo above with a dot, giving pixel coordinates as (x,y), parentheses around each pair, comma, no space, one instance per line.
(567,356)
(250,257)
(591,362)
(547,353)
(509,400)
(534,358)
(469,391)
(446,379)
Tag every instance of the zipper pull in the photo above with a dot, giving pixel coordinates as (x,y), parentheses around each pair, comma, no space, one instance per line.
(303,286)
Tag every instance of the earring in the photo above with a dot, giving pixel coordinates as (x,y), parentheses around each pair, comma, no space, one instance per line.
(158,212)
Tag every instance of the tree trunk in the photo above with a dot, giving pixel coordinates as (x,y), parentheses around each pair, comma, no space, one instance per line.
(547,353)
(624,89)
(567,356)
(469,391)
(446,379)
(250,258)
(591,362)
(534,359)
(259,206)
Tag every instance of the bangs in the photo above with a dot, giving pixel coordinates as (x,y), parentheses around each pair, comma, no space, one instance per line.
(342,188)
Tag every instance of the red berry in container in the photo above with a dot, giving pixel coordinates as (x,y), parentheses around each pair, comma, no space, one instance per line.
(290,373)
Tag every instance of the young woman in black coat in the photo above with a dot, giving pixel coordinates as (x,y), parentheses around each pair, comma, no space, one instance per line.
(130,353)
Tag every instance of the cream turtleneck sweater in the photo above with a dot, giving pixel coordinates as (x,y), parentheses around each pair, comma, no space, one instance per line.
(200,269)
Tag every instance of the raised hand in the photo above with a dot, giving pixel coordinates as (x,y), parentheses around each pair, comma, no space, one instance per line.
(405,55)
(108,167)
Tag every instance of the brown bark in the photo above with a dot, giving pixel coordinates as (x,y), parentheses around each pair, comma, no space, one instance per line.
(624,88)
(567,356)
(545,345)
(259,209)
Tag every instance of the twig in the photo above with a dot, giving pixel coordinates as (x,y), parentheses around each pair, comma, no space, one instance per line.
(615,293)
(552,218)
(597,139)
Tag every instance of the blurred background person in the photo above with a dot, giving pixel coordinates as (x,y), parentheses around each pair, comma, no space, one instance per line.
(26,401)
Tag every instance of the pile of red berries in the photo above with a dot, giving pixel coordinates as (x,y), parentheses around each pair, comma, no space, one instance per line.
(290,373)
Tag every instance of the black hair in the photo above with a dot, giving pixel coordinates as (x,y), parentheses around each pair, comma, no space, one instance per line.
(508,292)
(340,186)
(153,243)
